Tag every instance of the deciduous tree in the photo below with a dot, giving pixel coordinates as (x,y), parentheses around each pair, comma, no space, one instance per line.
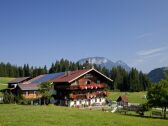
(45,91)
(158,95)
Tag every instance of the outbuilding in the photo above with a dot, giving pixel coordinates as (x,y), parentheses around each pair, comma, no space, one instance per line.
(122,100)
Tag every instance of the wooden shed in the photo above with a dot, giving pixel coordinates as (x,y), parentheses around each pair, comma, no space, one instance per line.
(122,100)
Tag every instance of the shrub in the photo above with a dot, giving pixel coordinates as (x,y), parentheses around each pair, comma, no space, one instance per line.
(8,98)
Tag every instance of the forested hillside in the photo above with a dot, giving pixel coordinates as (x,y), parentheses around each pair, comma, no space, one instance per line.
(122,80)
(158,74)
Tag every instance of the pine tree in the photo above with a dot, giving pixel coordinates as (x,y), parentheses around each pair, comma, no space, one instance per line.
(45,69)
(51,70)
(120,78)
(134,80)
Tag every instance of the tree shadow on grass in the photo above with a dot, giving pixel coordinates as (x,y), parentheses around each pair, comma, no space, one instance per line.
(144,116)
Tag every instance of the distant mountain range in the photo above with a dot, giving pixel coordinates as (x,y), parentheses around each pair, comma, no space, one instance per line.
(104,62)
(157,74)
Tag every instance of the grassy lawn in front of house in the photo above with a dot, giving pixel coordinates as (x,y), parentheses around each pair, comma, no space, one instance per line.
(26,115)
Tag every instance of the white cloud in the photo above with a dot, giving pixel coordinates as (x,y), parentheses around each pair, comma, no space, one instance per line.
(151,51)
(149,59)
(143,59)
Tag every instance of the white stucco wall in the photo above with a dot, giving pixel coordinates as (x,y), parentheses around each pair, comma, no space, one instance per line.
(98,101)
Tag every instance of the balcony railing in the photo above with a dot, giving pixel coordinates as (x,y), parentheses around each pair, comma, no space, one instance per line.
(82,87)
(78,96)
(85,87)
(88,95)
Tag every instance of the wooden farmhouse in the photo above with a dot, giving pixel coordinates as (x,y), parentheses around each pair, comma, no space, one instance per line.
(73,88)
(81,88)
(30,89)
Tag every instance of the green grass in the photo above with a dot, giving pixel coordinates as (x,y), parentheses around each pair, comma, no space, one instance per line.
(17,115)
(5,80)
(133,97)
(3,83)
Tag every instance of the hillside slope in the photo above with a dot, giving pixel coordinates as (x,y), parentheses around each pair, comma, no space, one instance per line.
(157,74)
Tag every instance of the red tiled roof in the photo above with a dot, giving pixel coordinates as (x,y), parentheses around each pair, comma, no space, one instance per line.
(123,98)
(73,75)
(68,76)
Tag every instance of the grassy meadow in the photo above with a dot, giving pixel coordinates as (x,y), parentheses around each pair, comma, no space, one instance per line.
(27,115)
(5,80)
(3,83)
(133,97)
(20,115)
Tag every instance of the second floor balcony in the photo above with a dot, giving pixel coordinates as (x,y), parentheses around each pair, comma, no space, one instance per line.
(88,95)
(89,86)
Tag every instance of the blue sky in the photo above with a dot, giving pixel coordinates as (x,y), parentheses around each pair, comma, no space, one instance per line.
(39,32)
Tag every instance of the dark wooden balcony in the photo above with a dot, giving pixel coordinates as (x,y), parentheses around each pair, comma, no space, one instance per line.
(88,95)
(97,94)
(78,96)
(81,86)
(85,87)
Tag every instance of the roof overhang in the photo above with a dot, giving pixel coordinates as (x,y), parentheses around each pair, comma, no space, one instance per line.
(88,72)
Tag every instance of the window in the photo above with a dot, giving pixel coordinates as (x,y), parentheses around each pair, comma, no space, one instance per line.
(27,93)
(74,102)
(88,76)
(88,82)
(95,99)
(34,92)
(98,81)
